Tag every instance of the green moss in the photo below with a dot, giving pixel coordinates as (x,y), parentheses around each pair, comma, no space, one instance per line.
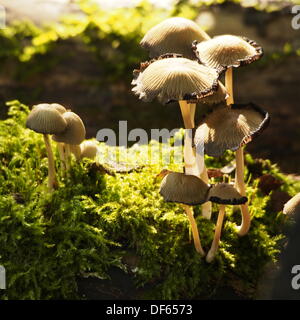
(93,219)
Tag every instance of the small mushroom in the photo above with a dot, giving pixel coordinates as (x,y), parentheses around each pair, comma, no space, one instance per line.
(88,149)
(73,134)
(292,207)
(175,34)
(47,120)
(182,188)
(185,189)
(223,194)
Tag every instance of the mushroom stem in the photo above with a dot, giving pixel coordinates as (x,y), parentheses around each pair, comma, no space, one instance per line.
(207,206)
(239,156)
(52,181)
(188,114)
(61,151)
(67,156)
(197,243)
(240,186)
(75,149)
(229,86)
(215,244)
(187,111)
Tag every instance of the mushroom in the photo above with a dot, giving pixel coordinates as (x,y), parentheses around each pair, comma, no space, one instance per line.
(188,190)
(88,149)
(47,120)
(182,188)
(174,78)
(292,207)
(175,35)
(227,51)
(223,194)
(231,129)
(230,51)
(60,146)
(73,134)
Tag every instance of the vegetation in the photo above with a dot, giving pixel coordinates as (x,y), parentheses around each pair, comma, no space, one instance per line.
(112,37)
(88,225)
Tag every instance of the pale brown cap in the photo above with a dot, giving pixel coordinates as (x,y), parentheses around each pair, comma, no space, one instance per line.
(45,119)
(173,35)
(74,132)
(227,51)
(182,188)
(230,128)
(224,193)
(61,109)
(173,78)
(89,149)
(292,207)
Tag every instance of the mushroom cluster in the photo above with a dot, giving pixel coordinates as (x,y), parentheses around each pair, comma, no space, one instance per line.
(187,67)
(66,128)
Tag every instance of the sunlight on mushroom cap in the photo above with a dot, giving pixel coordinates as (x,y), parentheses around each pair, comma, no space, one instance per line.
(227,51)
(292,207)
(89,149)
(181,188)
(74,132)
(173,35)
(172,79)
(61,109)
(224,193)
(45,119)
(230,128)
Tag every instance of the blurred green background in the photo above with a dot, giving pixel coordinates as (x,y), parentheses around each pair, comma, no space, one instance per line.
(82,54)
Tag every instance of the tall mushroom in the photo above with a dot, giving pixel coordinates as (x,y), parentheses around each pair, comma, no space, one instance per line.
(230,51)
(47,120)
(73,134)
(173,78)
(173,35)
(230,129)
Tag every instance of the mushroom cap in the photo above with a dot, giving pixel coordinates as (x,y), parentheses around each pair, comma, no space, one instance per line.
(173,35)
(74,132)
(230,128)
(45,119)
(61,109)
(227,51)
(89,149)
(182,188)
(217,97)
(292,207)
(173,78)
(224,193)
